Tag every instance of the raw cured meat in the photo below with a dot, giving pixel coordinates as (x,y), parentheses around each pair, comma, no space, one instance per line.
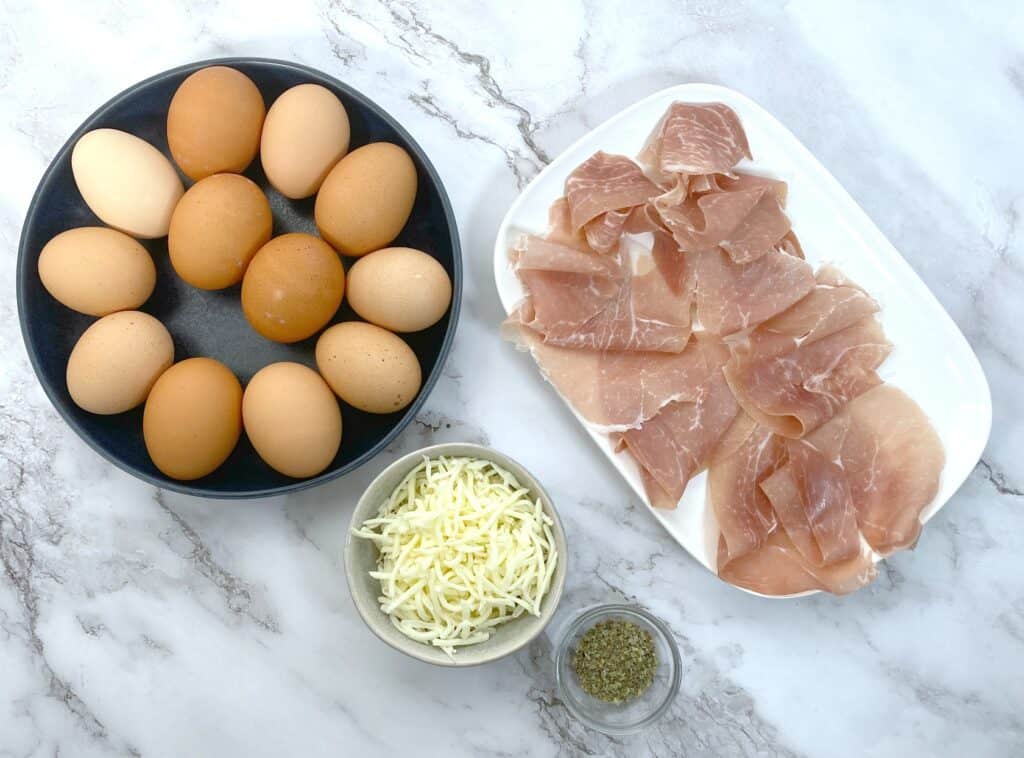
(749,454)
(812,499)
(618,390)
(604,232)
(733,296)
(796,370)
(777,568)
(605,183)
(695,138)
(815,468)
(677,443)
(893,459)
(746,223)
(581,300)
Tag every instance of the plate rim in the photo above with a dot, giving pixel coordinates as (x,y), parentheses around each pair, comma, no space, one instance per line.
(186,488)
(706,92)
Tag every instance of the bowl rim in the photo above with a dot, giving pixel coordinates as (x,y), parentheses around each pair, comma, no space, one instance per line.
(186,488)
(592,614)
(418,650)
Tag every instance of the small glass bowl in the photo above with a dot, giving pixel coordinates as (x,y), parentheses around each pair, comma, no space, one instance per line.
(636,714)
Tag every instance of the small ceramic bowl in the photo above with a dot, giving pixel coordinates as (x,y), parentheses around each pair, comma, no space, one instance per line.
(634,715)
(361,558)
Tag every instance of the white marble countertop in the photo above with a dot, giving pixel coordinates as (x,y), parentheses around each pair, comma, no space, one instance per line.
(135,622)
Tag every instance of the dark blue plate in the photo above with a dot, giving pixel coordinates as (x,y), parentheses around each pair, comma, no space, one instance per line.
(211,323)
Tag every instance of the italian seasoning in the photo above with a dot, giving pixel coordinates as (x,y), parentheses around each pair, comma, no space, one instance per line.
(615,661)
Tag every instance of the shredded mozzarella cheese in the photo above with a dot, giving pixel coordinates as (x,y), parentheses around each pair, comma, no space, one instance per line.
(462,548)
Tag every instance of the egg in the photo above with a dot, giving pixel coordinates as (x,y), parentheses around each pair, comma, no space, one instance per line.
(96,270)
(116,361)
(367,198)
(293,287)
(193,418)
(214,122)
(368,367)
(216,229)
(126,182)
(305,133)
(399,288)
(292,419)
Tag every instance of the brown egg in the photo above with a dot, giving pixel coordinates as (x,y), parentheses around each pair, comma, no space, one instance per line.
(306,132)
(399,288)
(367,198)
(95,270)
(116,361)
(293,287)
(292,419)
(193,418)
(368,367)
(214,122)
(216,229)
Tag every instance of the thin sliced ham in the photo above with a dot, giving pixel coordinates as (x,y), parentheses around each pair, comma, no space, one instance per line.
(560,228)
(603,183)
(893,460)
(617,390)
(674,266)
(732,296)
(675,445)
(795,391)
(695,138)
(604,232)
(746,223)
(778,568)
(583,300)
(811,497)
(747,456)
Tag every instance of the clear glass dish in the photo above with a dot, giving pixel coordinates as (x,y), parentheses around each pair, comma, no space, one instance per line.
(636,714)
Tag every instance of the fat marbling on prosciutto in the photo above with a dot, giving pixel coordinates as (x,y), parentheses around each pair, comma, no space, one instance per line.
(671,306)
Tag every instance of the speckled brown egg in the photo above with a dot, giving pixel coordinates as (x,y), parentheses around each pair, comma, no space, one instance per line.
(214,122)
(368,367)
(216,229)
(292,419)
(399,288)
(96,271)
(293,287)
(116,361)
(367,198)
(193,418)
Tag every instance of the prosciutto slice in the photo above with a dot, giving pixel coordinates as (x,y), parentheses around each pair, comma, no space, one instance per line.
(617,390)
(746,223)
(733,296)
(748,455)
(603,183)
(796,369)
(604,232)
(674,267)
(892,458)
(695,138)
(677,443)
(582,300)
(811,497)
(778,568)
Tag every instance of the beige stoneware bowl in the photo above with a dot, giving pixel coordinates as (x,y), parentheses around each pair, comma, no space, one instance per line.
(361,558)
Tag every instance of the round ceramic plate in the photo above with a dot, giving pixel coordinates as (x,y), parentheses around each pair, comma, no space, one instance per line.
(211,323)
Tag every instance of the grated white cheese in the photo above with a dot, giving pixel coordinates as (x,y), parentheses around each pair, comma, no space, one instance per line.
(462,549)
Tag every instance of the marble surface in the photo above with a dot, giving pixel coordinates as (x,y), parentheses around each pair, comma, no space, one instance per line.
(136,622)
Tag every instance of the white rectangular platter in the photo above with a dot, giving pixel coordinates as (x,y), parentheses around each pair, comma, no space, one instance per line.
(931,360)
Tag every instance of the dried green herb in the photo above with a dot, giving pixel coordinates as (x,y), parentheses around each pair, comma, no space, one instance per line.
(615,661)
